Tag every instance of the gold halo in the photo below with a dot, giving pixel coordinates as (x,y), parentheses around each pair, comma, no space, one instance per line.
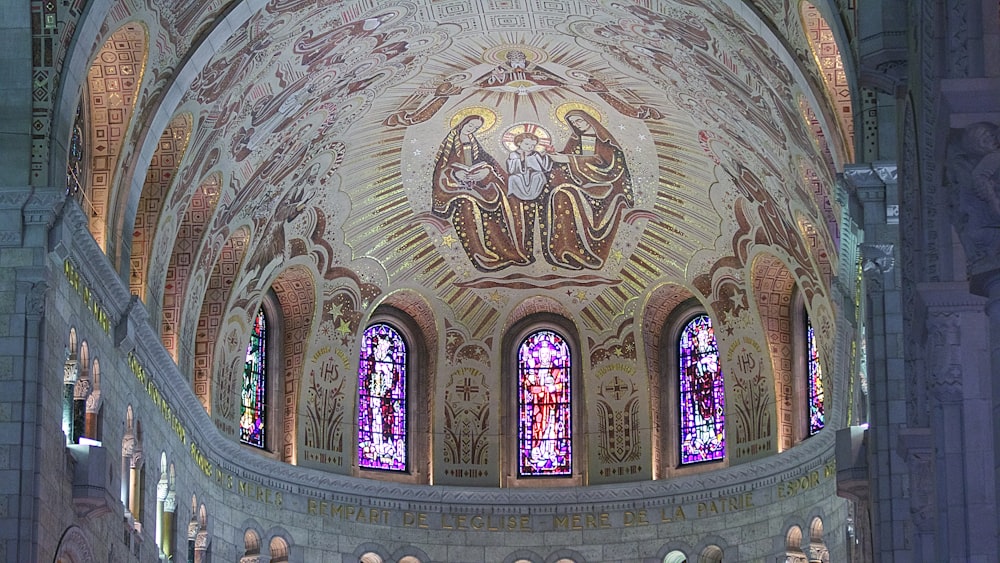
(563,109)
(490,118)
(498,55)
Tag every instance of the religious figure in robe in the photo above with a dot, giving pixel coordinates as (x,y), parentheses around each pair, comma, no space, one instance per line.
(470,191)
(588,192)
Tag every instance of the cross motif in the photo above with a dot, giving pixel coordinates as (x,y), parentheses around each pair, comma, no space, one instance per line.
(467,389)
(616,387)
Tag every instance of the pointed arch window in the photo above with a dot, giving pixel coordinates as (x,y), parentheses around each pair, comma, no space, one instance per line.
(814,383)
(545,429)
(702,394)
(252,416)
(382,408)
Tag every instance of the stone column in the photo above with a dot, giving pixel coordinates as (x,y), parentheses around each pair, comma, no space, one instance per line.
(135,484)
(959,388)
(162,487)
(70,373)
(877,191)
(91,421)
(169,515)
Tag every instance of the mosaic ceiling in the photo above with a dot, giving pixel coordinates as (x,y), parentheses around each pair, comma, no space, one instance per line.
(577,148)
(470,164)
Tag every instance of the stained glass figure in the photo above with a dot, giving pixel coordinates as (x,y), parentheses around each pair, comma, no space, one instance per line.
(702,394)
(545,430)
(817,417)
(255,385)
(382,399)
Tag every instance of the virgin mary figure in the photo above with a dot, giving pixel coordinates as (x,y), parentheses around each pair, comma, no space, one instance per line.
(470,191)
(589,190)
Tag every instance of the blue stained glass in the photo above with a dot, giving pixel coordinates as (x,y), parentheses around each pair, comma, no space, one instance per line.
(545,430)
(382,400)
(255,385)
(702,394)
(817,417)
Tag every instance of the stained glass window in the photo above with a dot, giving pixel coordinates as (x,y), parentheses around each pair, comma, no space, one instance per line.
(73,169)
(702,394)
(382,399)
(815,384)
(255,384)
(545,431)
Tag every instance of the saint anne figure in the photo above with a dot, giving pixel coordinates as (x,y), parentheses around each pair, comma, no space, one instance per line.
(470,191)
(588,191)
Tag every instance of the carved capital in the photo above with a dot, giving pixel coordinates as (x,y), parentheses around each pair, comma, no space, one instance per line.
(82,389)
(877,258)
(94,402)
(862,176)
(71,370)
(887,172)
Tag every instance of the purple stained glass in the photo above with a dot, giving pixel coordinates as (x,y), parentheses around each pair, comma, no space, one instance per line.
(382,400)
(255,385)
(545,431)
(817,417)
(702,394)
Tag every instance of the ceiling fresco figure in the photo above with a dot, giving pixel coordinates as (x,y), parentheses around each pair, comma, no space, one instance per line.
(577,197)
(470,192)
(589,189)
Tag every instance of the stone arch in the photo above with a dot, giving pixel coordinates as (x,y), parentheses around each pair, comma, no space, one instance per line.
(818,552)
(74,547)
(182,243)
(141,225)
(774,295)
(793,545)
(412,315)
(251,546)
(661,302)
(837,91)
(711,554)
(113,81)
(278,549)
(295,290)
(213,391)
(675,556)
(540,316)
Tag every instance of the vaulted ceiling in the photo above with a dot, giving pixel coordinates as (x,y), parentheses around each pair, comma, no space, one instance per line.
(358,151)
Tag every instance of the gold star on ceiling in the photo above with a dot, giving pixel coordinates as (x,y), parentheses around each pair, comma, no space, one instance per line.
(344,328)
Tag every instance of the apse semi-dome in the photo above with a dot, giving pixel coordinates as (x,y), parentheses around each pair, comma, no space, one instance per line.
(594,167)
(543,280)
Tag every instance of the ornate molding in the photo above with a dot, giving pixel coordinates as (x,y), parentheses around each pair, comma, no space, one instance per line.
(862,176)
(877,258)
(887,172)
(74,547)
(944,356)
(916,447)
